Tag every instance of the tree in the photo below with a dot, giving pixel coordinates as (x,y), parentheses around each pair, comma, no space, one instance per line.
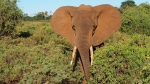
(46,14)
(127,3)
(10,16)
(41,16)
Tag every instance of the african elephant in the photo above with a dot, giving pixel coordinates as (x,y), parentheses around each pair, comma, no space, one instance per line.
(86,26)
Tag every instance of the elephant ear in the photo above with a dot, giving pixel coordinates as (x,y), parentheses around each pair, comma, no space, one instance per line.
(109,21)
(61,22)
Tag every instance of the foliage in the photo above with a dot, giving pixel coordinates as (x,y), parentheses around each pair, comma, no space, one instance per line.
(127,3)
(38,16)
(136,19)
(39,58)
(10,16)
(44,57)
(36,55)
(123,62)
(41,15)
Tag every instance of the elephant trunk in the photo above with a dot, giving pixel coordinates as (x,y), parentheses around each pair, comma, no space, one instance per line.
(85,60)
(83,46)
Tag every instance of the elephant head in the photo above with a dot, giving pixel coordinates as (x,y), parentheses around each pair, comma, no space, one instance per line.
(86,26)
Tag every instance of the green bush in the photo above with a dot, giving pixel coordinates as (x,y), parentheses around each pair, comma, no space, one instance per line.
(125,63)
(10,16)
(33,60)
(38,64)
(36,55)
(136,19)
(44,57)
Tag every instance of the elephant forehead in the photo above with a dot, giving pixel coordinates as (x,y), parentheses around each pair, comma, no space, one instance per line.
(85,14)
(85,11)
(83,19)
(85,7)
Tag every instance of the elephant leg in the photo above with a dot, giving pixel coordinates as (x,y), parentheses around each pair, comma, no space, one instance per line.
(91,53)
(73,54)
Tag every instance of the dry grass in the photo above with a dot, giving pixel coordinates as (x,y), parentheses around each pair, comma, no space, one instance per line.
(36,22)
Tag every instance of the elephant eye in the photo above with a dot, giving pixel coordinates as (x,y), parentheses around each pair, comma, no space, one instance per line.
(94,28)
(73,27)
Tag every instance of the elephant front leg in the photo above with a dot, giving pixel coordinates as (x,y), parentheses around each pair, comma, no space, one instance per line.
(91,53)
(73,54)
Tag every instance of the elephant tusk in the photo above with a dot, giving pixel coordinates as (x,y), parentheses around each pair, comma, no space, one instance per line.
(73,54)
(91,52)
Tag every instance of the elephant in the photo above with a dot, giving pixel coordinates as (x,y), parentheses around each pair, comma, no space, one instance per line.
(86,26)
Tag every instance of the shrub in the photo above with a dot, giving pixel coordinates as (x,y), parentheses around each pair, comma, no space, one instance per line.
(125,63)
(23,60)
(136,19)
(10,16)
(39,64)
(44,57)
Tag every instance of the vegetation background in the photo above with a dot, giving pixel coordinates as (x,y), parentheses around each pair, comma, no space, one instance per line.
(31,53)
